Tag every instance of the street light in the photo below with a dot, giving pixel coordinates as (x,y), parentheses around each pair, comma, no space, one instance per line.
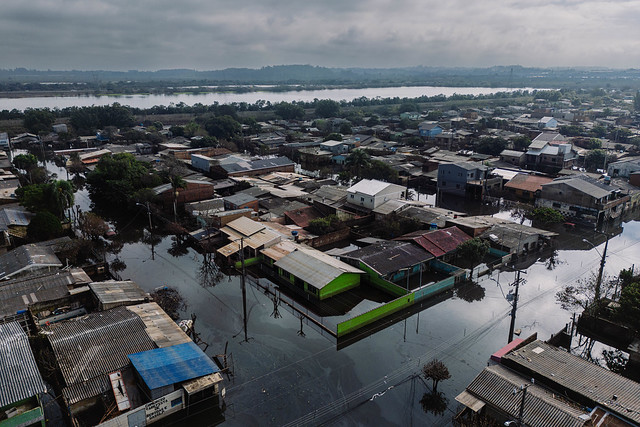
(146,205)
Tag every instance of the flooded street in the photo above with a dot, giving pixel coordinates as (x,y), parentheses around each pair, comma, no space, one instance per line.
(284,374)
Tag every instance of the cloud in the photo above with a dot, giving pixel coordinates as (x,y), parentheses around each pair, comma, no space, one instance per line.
(200,34)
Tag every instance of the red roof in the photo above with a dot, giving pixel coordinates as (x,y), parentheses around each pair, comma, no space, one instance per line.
(497,356)
(301,217)
(438,242)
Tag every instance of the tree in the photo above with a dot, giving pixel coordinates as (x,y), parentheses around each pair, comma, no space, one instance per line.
(356,161)
(345,128)
(44,226)
(170,300)
(117,177)
(598,159)
(629,310)
(54,197)
(333,137)
(288,111)
(327,108)
(92,225)
(25,162)
(580,295)
(492,146)
(223,127)
(545,215)
(521,142)
(473,251)
(38,120)
(435,371)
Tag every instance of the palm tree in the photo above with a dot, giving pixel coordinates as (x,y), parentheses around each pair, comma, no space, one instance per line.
(176,182)
(60,196)
(357,161)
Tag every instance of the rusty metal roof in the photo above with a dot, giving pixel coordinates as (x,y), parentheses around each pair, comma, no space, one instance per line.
(495,386)
(19,375)
(560,369)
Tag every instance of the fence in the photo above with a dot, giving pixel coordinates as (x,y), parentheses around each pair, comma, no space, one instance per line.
(404,301)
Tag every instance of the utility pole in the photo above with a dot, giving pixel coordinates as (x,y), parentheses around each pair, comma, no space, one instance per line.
(514,305)
(244,290)
(521,413)
(600,273)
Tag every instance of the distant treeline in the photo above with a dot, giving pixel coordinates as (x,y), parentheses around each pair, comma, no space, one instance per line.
(290,77)
(100,115)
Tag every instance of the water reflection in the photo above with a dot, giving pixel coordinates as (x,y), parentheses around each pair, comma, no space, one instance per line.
(470,292)
(434,402)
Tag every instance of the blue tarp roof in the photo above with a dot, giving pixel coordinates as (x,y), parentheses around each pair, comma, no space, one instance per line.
(170,365)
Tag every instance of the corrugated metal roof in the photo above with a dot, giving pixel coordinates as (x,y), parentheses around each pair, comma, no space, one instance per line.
(390,256)
(280,250)
(18,294)
(245,226)
(495,385)
(27,257)
(111,293)
(170,365)
(19,375)
(594,382)
(159,326)
(314,267)
(95,345)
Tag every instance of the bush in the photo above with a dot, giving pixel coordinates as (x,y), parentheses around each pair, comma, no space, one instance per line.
(546,215)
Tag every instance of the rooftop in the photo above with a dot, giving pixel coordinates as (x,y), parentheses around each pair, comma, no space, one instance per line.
(370,187)
(389,256)
(172,365)
(314,267)
(20,376)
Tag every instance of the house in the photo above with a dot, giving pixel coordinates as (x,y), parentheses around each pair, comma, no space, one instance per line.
(336,147)
(526,187)
(623,168)
(240,201)
(16,295)
(548,151)
(195,191)
(547,123)
(111,294)
(517,238)
(201,162)
(4,140)
(516,158)
(28,259)
(610,395)
(583,199)
(165,370)
(254,167)
(388,261)
(22,384)
(13,224)
(312,271)
(467,179)
(371,193)
(429,129)
(60,128)
(248,236)
(439,243)
(497,393)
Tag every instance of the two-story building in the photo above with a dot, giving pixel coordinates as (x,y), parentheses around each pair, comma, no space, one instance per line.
(549,151)
(583,199)
(429,129)
(467,179)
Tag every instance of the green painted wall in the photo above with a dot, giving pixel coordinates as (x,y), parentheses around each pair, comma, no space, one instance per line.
(375,314)
(248,262)
(384,285)
(26,418)
(341,283)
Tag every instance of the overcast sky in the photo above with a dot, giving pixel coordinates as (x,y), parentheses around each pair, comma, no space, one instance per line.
(216,34)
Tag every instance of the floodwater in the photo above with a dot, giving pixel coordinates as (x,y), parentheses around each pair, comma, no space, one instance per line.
(148,101)
(288,372)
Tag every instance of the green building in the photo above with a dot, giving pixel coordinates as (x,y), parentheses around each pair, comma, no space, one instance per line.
(317,273)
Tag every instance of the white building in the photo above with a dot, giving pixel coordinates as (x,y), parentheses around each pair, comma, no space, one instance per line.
(371,193)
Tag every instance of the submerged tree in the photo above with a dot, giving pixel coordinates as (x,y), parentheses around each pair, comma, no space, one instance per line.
(170,300)
(435,371)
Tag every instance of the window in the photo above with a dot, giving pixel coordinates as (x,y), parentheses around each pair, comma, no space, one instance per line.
(458,186)
(444,183)
(352,196)
(362,199)
(556,205)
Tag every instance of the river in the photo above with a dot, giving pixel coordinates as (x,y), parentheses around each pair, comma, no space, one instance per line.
(148,101)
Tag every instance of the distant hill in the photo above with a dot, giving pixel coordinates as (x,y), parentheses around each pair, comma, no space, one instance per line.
(515,76)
